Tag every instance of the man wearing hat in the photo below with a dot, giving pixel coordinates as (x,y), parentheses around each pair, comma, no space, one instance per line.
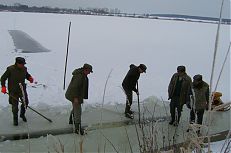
(200,90)
(179,90)
(76,92)
(16,74)
(129,85)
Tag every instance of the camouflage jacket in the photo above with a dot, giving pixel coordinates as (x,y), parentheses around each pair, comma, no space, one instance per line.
(201,96)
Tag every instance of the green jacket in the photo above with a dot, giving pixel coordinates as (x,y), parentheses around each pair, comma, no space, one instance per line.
(184,90)
(15,75)
(78,87)
(201,96)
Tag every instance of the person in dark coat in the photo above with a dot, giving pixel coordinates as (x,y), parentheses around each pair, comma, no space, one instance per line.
(16,74)
(178,91)
(129,85)
(76,92)
(200,99)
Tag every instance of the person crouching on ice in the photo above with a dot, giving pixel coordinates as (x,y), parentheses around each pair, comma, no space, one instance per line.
(76,92)
(129,85)
(16,74)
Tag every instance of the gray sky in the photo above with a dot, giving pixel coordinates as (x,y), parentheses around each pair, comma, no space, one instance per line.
(208,8)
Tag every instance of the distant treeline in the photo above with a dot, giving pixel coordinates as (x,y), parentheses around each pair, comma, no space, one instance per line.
(17,7)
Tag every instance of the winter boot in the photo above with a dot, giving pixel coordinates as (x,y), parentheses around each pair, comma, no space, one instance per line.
(128,115)
(79,129)
(15,118)
(175,123)
(172,121)
(172,118)
(177,120)
(23,117)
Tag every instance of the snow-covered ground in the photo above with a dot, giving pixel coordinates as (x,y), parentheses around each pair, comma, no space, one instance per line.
(220,147)
(113,43)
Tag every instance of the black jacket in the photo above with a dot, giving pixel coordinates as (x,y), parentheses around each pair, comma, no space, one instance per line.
(130,80)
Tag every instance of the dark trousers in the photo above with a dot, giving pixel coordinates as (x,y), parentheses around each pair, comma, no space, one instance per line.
(175,104)
(14,101)
(128,100)
(76,111)
(199,113)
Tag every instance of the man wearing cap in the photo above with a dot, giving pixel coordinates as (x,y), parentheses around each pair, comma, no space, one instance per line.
(16,74)
(129,85)
(178,91)
(76,92)
(200,90)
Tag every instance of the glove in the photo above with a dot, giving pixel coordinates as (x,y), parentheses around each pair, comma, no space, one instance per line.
(138,93)
(26,106)
(135,90)
(3,90)
(31,79)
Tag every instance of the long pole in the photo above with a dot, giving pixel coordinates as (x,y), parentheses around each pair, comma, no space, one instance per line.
(65,69)
(223,65)
(138,99)
(31,108)
(212,73)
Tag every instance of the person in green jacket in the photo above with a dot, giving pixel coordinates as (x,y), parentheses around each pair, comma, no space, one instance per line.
(76,92)
(178,91)
(16,74)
